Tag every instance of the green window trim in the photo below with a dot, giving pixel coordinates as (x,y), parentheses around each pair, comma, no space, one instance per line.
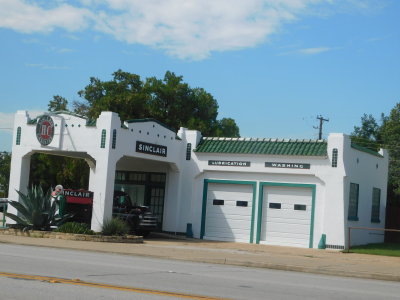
(376,202)
(352,213)
(188,151)
(204,204)
(18,141)
(114,138)
(334,157)
(103,138)
(260,206)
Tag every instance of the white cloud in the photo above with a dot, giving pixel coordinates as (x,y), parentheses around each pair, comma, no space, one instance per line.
(26,17)
(47,67)
(313,51)
(185,29)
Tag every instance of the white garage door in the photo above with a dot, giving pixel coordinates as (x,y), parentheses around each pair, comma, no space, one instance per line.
(228,212)
(286,217)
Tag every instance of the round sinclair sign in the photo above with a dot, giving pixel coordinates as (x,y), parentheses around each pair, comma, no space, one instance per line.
(45,130)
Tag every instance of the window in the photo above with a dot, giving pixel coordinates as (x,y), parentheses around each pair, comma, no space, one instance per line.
(103,139)
(114,138)
(188,151)
(334,157)
(241,203)
(18,141)
(376,202)
(353,202)
(218,202)
(300,207)
(275,205)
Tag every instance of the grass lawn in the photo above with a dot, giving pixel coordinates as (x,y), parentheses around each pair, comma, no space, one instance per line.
(387,249)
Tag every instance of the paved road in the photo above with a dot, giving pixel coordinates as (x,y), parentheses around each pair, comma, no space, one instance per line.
(165,276)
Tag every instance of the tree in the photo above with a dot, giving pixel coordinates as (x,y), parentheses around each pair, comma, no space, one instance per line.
(390,131)
(58,104)
(227,127)
(5,163)
(368,134)
(386,134)
(169,100)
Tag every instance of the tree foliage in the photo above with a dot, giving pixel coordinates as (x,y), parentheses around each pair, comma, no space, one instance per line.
(368,134)
(5,162)
(58,104)
(390,132)
(50,170)
(169,100)
(385,134)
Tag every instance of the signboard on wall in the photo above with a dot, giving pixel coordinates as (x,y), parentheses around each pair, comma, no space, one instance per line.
(228,163)
(45,130)
(283,165)
(151,149)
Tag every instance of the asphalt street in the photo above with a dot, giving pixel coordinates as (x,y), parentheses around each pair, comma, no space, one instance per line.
(161,277)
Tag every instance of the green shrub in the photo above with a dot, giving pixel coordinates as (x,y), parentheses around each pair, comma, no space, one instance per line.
(115,226)
(74,227)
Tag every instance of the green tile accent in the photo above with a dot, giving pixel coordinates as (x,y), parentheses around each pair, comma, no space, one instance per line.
(114,138)
(204,205)
(103,138)
(366,150)
(260,206)
(263,146)
(18,141)
(91,123)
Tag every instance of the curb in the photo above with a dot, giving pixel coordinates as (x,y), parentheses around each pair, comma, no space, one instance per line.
(72,236)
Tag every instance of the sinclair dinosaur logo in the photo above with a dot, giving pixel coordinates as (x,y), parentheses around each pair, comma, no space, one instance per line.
(45,130)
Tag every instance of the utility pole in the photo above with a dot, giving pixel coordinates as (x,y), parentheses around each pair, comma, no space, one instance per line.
(321,121)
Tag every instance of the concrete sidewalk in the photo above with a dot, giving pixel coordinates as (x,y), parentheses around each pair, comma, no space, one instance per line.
(240,254)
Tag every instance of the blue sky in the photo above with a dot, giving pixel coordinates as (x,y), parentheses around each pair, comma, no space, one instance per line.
(272,65)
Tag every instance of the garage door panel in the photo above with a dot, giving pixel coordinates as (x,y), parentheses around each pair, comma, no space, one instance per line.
(286,215)
(288,228)
(231,211)
(289,221)
(226,232)
(289,214)
(238,223)
(227,221)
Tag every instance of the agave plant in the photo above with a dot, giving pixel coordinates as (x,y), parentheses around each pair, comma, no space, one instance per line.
(36,210)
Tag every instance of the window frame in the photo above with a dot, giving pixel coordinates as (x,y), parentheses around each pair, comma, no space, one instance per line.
(375,207)
(354,195)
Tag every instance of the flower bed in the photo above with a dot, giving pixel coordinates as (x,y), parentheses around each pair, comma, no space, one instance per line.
(72,236)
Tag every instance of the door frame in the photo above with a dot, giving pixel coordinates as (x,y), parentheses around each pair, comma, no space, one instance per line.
(281,184)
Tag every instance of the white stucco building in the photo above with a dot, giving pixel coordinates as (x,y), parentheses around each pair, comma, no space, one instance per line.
(279,192)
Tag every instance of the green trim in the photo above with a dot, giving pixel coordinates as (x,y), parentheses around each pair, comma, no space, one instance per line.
(103,138)
(150,120)
(221,181)
(260,205)
(114,138)
(366,150)
(307,148)
(18,141)
(353,215)
(91,123)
